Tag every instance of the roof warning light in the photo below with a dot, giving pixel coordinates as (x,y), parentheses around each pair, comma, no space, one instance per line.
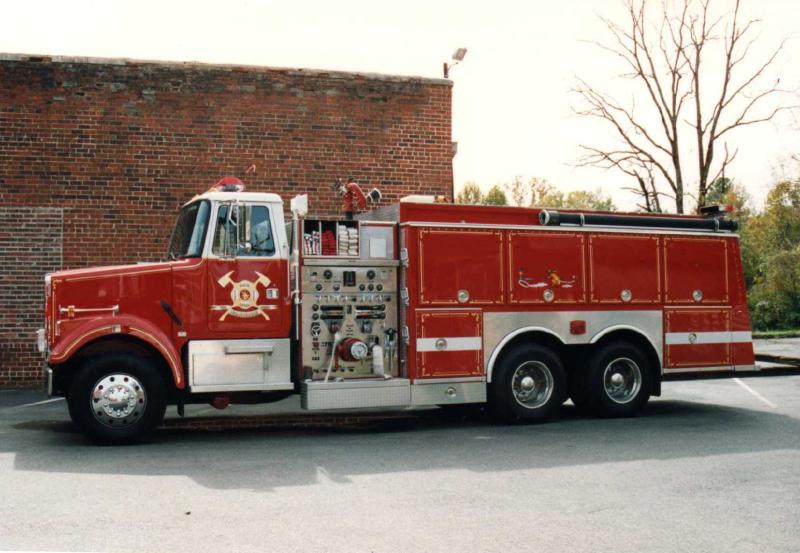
(228,184)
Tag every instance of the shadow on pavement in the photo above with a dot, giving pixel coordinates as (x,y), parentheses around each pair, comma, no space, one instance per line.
(291,456)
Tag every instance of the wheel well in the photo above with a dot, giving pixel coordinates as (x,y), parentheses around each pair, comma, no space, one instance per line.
(119,343)
(529,337)
(633,337)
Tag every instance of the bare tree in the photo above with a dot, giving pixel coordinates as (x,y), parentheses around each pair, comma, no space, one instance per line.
(647,188)
(688,86)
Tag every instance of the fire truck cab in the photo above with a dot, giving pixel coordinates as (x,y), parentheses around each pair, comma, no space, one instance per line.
(417,303)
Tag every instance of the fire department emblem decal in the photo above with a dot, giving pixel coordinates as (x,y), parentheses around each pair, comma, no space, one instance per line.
(244,297)
(552,280)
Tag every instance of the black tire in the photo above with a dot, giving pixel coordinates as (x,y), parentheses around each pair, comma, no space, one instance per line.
(541,364)
(578,392)
(628,397)
(136,385)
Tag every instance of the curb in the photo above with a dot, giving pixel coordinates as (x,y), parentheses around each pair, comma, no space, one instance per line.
(348,421)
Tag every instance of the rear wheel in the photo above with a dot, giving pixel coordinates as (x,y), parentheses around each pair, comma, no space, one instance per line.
(118,398)
(620,380)
(529,384)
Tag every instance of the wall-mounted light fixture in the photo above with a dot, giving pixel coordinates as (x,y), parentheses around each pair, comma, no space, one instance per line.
(458,55)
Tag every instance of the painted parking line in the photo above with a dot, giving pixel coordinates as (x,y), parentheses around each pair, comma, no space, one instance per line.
(39,403)
(755,394)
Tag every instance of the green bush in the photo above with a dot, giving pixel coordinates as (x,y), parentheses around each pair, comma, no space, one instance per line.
(770,243)
(775,296)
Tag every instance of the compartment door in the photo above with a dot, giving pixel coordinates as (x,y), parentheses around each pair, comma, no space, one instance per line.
(449,343)
(546,267)
(696,271)
(624,268)
(239,365)
(460,267)
(698,338)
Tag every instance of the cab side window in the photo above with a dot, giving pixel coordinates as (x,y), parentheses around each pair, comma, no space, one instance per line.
(224,233)
(247,232)
(260,231)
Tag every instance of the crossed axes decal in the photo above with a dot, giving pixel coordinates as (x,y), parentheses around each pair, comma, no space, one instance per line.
(244,296)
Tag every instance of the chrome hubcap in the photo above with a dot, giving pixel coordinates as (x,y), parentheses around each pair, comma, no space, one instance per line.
(118,400)
(527,383)
(622,380)
(532,384)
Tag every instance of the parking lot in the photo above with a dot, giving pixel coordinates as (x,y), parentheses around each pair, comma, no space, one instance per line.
(710,466)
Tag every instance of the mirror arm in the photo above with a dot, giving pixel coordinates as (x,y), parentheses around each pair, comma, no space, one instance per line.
(231,243)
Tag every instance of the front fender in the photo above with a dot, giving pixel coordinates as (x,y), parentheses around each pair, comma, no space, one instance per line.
(92,329)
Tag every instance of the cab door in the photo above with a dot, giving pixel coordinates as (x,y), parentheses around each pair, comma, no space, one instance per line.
(247,288)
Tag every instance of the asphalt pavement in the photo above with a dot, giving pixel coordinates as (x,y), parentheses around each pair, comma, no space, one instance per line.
(710,466)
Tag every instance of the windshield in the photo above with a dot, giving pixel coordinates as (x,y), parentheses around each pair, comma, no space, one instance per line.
(190,231)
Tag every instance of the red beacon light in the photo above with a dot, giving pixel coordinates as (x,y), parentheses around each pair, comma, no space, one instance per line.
(228,184)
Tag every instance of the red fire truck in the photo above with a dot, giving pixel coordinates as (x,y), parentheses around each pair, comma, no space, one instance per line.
(418,303)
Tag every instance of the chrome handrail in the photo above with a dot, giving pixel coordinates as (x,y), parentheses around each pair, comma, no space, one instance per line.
(70,310)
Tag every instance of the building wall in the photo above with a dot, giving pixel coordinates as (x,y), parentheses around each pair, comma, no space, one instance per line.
(96,156)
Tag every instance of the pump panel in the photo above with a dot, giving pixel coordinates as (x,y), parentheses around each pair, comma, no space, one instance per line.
(357,299)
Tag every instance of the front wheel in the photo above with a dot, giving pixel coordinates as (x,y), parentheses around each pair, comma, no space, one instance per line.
(530,384)
(118,398)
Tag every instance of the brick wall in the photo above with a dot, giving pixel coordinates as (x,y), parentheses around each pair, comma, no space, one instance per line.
(112,148)
(30,246)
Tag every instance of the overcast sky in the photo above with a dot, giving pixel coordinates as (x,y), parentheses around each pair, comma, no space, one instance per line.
(511,103)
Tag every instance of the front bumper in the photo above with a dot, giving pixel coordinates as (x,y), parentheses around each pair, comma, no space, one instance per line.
(47,372)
